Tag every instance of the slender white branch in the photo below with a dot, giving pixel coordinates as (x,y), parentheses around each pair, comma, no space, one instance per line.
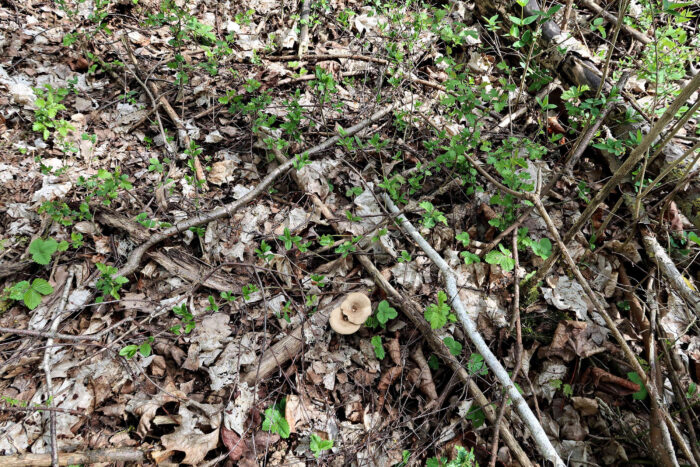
(544,446)
(58,312)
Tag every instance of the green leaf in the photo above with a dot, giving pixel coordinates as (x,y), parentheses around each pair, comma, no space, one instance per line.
(32,298)
(642,393)
(318,444)
(129,351)
(470,257)
(543,248)
(501,258)
(476,416)
(476,365)
(437,314)
(378,347)
(454,346)
(42,286)
(145,348)
(275,422)
(693,237)
(385,312)
(464,238)
(18,290)
(41,250)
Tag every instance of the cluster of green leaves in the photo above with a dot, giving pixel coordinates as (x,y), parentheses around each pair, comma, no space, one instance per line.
(48,105)
(275,422)
(566,389)
(109,283)
(129,351)
(438,314)
(60,212)
(318,445)
(541,247)
(432,215)
(463,458)
(188,323)
(29,293)
(105,185)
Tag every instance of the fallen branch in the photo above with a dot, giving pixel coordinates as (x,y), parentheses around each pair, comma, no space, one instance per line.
(71,458)
(304,32)
(48,390)
(288,347)
(137,254)
(544,446)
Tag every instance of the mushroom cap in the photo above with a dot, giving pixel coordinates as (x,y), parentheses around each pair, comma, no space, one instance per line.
(340,324)
(357,307)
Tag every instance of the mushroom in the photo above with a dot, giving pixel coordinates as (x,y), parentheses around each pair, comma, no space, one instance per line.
(356,307)
(340,324)
(351,314)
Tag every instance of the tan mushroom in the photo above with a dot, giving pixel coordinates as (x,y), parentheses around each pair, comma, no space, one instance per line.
(357,307)
(340,324)
(351,314)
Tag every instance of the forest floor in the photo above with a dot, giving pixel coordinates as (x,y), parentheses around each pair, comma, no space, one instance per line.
(197,196)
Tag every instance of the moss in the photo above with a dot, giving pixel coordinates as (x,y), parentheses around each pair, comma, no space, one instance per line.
(531,292)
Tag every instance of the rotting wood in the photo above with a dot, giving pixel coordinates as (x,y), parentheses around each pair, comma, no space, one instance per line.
(289,346)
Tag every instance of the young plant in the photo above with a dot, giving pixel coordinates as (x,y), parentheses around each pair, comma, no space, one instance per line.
(432,216)
(275,422)
(144,349)
(42,250)
(438,313)
(318,444)
(188,323)
(108,283)
(29,293)
(379,352)
(503,258)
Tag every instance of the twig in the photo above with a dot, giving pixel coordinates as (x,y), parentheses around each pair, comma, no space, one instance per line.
(591,5)
(228,209)
(567,14)
(659,435)
(544,446)
(58,311)
(518,346)
(64,337)
(42,409)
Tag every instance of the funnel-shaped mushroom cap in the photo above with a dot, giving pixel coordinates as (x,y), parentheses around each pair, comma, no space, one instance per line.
(357,307)
(340,324)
